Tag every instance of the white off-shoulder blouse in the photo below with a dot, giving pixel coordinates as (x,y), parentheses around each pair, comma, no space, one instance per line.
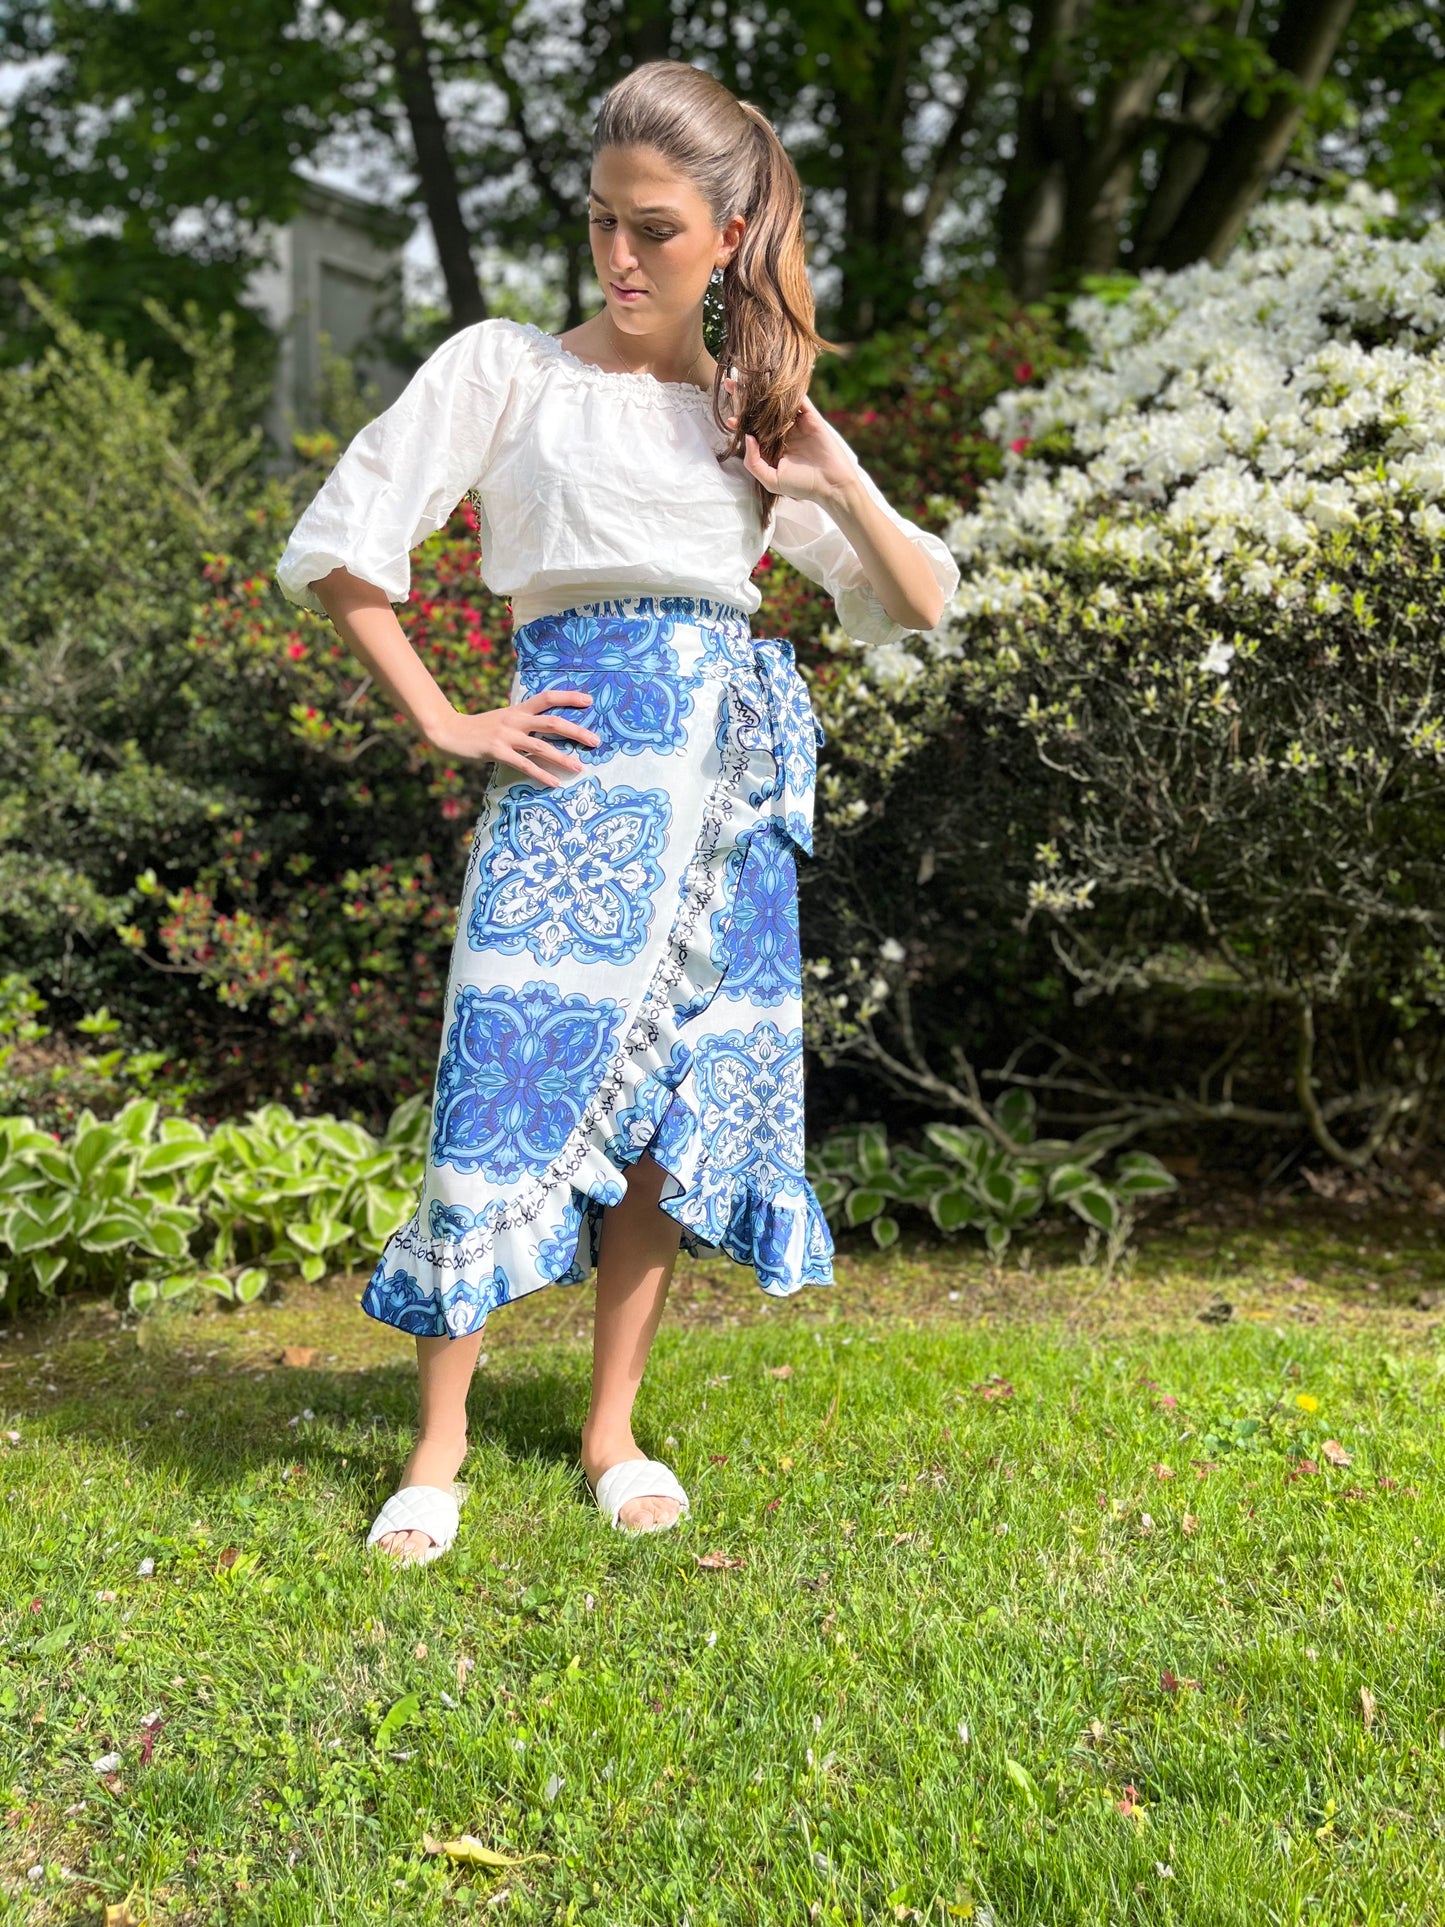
(590,484)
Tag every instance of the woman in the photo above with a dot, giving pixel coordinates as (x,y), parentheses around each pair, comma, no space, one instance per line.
(621,1061)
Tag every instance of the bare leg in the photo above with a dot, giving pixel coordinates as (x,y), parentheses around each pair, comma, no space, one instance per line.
(635,1259)
(444,1368)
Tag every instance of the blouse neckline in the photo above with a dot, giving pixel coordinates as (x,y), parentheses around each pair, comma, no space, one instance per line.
(647,387)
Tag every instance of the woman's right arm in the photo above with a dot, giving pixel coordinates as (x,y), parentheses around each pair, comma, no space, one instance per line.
(514,734)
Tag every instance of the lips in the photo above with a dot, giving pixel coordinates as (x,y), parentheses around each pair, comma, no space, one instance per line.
(617,288)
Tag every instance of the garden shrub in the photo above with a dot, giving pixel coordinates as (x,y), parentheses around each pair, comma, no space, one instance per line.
(212,833)
(165,1210)
(911,400)
(967,1180)
(1205,595)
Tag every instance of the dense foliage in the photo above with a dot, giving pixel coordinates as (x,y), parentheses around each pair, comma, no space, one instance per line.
(1163,789)
(1205,597)
(165,1209)
(967,1179)
(149,142)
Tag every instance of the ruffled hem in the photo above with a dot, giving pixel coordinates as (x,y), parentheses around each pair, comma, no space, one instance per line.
(768,1217)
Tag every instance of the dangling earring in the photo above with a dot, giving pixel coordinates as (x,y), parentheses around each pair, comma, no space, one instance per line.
(714,325)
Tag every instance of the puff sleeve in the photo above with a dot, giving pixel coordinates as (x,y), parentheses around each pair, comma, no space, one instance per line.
(804,534)
(403,474)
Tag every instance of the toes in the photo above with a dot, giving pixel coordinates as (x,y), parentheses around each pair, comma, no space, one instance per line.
(403,1546)
(638,1515)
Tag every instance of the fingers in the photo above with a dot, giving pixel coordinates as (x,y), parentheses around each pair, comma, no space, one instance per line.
(516,760)
(522,758)
(753,459)
(559,726)
(564,759)
(545,696)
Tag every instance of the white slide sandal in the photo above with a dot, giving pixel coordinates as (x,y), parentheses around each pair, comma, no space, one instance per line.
(422,1508)
(638,1479)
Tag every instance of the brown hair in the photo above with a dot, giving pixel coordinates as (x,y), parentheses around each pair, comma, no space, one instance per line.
(729,151)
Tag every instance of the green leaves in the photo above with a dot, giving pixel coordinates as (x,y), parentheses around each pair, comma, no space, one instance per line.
(404,1710)
(310,1194)
(976,1184)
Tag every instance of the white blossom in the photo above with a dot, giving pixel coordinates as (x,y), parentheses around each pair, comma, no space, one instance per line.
(892,666)
(1217,658)
(1228,421)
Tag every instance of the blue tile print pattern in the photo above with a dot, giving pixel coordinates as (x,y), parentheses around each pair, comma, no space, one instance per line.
(626,976)
(799,737)
(750,1084)
(516,1072)
(637,1122)
(451,1221)
(554,1253)
(640,698)
(571,871)
(397,1298)
(757,947)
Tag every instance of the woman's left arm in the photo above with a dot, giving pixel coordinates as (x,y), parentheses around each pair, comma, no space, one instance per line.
(817,465)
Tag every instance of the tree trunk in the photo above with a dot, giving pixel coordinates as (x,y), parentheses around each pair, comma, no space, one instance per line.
(1204,103)
(1034,209)
(575,255)
(1250,148)
(417,87)
(880,251)
(1099,191)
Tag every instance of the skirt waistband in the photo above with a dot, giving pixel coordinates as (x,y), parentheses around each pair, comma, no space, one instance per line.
(652,624)
(639,640)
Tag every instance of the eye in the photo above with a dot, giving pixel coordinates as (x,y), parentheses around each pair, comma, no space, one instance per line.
(610,220)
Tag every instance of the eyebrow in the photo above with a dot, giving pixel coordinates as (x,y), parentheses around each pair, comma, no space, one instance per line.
(659,208)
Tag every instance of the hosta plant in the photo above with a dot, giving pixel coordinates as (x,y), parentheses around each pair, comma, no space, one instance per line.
(166,1209)
(970,1180)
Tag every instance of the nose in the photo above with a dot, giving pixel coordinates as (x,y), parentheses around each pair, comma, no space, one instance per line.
(621,259)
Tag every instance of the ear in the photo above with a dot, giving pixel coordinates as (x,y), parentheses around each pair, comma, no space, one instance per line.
(730,236)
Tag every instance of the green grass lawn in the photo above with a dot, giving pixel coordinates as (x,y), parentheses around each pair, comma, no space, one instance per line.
(989,1606)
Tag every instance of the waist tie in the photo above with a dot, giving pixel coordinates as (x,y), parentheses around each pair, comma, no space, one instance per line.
(797,738)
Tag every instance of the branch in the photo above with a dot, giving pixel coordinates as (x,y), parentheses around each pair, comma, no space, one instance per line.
(1320,1131)
(411,52)
(948,157)
(1251,148)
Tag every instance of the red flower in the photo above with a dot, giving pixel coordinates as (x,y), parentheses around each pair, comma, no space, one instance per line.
(1024,373)
(296,650)
(1018,447)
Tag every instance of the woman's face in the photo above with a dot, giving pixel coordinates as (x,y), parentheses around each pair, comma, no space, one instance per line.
(654,246)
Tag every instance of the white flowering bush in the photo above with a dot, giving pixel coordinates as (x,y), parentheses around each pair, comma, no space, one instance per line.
(1207,593)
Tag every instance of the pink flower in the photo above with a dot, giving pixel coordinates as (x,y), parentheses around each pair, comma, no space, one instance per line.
(296,650)
(1018,447)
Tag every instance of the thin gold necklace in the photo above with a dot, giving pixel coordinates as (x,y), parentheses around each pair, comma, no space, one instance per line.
(632,369)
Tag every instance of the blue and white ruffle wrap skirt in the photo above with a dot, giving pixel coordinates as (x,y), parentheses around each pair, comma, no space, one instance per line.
(626,975)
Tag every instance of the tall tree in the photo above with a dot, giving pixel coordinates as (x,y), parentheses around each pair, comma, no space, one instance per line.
(411,54)
(937,138)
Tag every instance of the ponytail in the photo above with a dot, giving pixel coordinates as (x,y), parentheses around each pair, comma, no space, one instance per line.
(730,151)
